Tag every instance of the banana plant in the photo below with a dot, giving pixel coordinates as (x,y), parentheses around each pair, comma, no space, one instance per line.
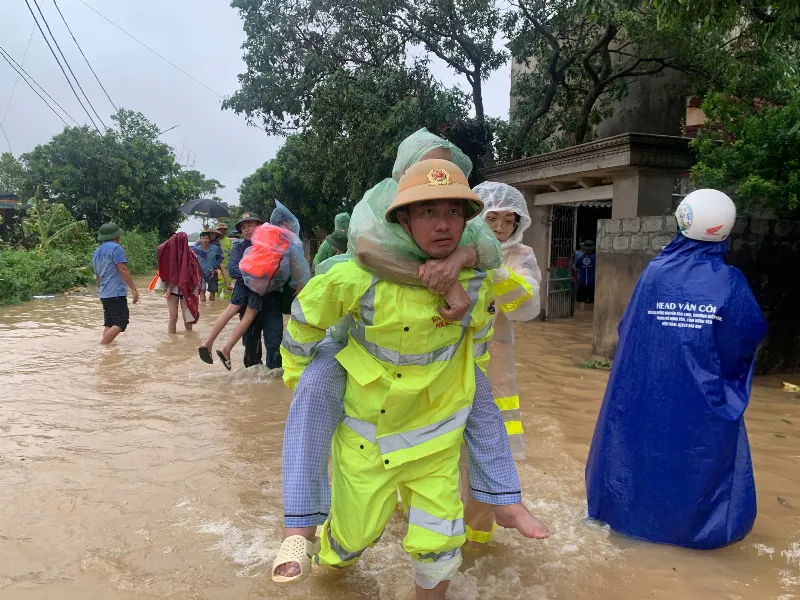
(52,223)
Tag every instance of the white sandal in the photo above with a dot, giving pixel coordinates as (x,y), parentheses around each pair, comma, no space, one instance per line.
(295,548)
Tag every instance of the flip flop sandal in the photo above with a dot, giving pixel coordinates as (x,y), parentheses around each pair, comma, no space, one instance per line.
(226,362)
(297,549)
(205,355)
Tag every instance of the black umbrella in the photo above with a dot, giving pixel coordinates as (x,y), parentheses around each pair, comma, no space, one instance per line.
(205,207)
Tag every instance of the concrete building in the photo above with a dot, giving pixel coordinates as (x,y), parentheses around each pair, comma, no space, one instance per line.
(568,191)
(10,206)
(636,164)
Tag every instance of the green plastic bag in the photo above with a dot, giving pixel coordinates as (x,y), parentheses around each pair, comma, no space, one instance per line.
(385,248)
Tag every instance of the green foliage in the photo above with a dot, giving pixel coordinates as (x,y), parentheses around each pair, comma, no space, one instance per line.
(753,152)
(293,49)
(25,274)
(582,55)
(752,18)
(51,225)
(141,251)
(125,175)
(11,173)
(598,365)
(356,124)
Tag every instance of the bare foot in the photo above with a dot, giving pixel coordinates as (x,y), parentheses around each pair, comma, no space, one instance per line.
(516,516)
(292,569)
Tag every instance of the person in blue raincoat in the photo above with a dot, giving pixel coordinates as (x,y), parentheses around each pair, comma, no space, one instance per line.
(670,460)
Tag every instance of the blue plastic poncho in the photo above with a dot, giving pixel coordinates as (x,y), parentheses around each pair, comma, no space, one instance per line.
(276,257)
(670,461)
(283,217)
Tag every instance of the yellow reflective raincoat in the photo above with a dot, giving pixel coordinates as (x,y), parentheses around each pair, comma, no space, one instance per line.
(410,372)
(410,385)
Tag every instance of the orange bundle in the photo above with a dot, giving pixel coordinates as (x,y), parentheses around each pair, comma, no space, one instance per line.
(262,260)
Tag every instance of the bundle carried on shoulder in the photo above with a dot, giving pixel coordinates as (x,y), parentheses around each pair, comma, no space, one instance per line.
(267,265)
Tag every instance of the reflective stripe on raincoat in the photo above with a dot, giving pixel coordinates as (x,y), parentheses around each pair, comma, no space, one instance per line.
(411,376)
(516,298)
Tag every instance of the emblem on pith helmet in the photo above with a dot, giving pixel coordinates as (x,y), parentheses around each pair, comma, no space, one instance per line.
(438,177)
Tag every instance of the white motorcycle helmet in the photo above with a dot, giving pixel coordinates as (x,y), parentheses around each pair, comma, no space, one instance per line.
(706,215)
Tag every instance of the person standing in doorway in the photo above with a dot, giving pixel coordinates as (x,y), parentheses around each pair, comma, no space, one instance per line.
(113,281)
(585,261)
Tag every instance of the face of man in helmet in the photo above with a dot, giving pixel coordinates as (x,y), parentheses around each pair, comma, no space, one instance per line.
(435,225)
(248,227)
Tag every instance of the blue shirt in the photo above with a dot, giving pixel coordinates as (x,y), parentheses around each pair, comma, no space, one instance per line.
(585,264)
(105,260)
(209,259)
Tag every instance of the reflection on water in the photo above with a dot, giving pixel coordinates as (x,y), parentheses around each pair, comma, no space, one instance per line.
(137,471)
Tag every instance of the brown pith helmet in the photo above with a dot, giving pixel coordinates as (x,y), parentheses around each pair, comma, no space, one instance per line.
(434,180)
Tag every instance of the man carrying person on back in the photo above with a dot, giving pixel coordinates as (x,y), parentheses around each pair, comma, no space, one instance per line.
(113,281)
(411,379)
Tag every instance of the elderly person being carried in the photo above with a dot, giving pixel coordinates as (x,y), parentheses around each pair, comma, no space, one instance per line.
(400,254)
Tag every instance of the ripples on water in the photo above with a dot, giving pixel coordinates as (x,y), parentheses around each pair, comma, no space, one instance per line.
(139,472)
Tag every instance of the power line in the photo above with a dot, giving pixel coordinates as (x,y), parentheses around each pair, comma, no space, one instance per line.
(14,89)
(84,56)
(6,136)
(55,41)
(25,74)
(12,62)
(53,52)
(151,50)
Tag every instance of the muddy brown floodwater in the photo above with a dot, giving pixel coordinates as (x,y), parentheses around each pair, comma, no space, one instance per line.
(138,472)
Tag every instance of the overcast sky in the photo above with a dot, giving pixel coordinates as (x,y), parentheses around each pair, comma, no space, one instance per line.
(203,37)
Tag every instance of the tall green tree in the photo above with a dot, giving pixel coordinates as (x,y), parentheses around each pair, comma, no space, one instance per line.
(125,174)
(582,56)
(11,173)
(293,48)
(356,122)
(777,18)
(752,151)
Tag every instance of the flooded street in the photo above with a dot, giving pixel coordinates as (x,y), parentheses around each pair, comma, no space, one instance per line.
(140,472)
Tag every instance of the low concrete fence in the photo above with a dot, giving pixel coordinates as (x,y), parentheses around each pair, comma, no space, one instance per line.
(767,252)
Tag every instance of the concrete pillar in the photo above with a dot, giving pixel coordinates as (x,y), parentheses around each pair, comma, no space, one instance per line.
(538,237)
(642,193)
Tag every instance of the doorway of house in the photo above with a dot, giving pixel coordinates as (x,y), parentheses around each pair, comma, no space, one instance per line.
(570,224)
(589,213)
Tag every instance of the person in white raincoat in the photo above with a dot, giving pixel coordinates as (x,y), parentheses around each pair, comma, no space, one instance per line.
(506,212)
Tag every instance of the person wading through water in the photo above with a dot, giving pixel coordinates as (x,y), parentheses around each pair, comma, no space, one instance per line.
(432,205)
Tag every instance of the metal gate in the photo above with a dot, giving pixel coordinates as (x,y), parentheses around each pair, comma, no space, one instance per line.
(561,259)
